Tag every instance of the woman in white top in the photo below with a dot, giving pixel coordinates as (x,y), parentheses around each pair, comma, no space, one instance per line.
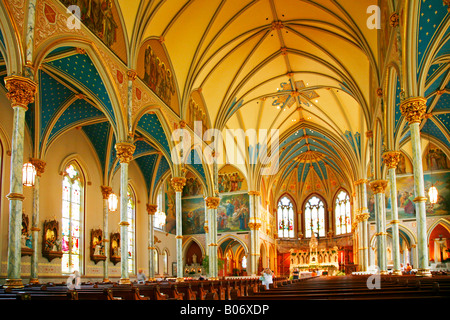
(74,281)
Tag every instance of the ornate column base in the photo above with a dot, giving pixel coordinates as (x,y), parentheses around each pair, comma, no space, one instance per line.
(423,273)
(13,284)
(106,280)
(397,273)
(180,279)
(124,281)
(151,279)
(34,281)
(384,272)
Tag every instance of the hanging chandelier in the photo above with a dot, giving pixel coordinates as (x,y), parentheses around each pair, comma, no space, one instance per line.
(112,202)
(28,174)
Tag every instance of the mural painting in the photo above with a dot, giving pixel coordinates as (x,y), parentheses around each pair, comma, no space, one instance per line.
(233,213)
(193,214)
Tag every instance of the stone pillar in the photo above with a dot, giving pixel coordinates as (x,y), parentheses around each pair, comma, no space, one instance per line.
(365,215)
(414,109)
(212,203)
(391,160)
(378,188)
(40,167)
(254,225)
(21,92)
(125,152)
(177,184)
(151,210)
(106,191)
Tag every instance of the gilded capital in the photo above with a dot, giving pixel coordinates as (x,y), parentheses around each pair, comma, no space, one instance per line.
(254,193)
(391,159)
(178,183)
(125,151)
(106,191)
(39,165)
(413,109)
(212,202)
(151,208)
(360,181)
(394,19)
(131,75)
(378,186)
(21,90)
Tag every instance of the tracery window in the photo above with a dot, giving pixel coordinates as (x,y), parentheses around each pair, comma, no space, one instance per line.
(131,214)
(314,217)
(71,220)
(342,213)
(166,262)
(285,218)
(156,261)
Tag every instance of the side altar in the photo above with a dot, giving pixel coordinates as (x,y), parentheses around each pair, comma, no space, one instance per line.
(315,258)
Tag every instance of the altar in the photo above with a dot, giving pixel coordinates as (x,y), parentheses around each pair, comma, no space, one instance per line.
(314,259)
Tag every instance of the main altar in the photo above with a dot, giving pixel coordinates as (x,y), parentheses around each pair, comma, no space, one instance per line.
(315,258)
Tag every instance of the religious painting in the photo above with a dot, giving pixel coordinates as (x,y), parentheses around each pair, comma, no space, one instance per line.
(403,165)
(196,116)
(231,180)
(169,202)
(101,17)
(435,159)
(193,186)
(233,213)
(154,70)
(193,215)
(405,197)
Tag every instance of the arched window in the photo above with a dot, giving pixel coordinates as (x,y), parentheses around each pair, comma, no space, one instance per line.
(285,218)
(342,213)
(314,217)
(131,214)
(71,220)
(156,261)
(166,262)
(160,217)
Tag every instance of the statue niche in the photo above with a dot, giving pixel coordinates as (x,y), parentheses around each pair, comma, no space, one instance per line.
(115,248)
(26,243)
(97,247)
(51,244)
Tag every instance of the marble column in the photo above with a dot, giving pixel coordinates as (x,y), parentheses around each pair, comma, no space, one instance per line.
(206,227)
(40,167)
(391,160)
(125,152)
(106,192)
(414,109)
(378,188)
(254,225)
(151,210)
(21,92)
(212,203)
(177,184)
(365,215)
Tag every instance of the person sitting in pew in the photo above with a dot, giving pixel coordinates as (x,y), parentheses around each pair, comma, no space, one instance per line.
(74,281)
(141,278)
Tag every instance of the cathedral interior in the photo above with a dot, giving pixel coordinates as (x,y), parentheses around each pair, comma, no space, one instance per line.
(214,138)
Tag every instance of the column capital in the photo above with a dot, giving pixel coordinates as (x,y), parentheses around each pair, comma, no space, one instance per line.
(151,208)
(378,186)
(360,181)
(212,202)
(391,159)
(39,165)
(125,151)
(413,109)
(254,193)
(182,124)
(178,183)
(106,191)
(21,90)
(132,74)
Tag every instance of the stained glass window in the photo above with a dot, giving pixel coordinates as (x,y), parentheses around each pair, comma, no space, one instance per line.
(72,188)
(156,261)
(285,218)
(131,213)
(166,262)
(342,213)
(314,217)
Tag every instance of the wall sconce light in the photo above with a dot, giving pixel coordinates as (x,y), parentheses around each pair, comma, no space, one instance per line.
(28,174)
